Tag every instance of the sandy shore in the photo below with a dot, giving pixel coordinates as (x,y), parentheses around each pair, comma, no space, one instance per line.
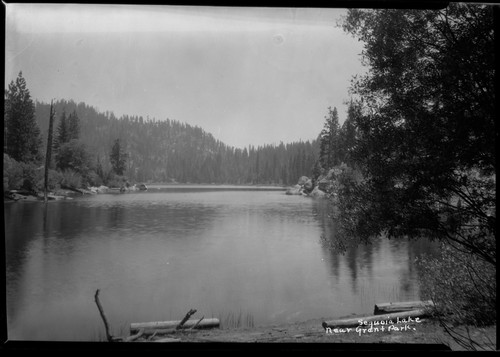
(311,332)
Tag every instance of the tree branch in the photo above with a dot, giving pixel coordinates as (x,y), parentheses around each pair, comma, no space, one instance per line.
(101,311)
(188,315)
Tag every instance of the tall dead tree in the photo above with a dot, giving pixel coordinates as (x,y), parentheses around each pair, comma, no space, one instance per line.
(49,150)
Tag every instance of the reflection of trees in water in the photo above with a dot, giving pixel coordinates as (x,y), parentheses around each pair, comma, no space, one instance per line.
(67,220)
(359,256)
(40,238)
(335,245)
(23,223)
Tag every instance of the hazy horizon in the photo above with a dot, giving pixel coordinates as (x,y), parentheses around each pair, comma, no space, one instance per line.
(248,76)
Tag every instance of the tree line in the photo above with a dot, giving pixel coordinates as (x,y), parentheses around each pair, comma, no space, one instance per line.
(94,148)
(171,151)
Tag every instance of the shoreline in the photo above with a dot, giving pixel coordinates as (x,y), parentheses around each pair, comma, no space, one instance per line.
(311,332)
(64,193)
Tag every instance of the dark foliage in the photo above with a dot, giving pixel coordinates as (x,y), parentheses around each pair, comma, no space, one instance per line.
(166,151)
(22,140)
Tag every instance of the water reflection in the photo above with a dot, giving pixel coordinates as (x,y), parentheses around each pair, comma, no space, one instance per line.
(155,255)
(380,270)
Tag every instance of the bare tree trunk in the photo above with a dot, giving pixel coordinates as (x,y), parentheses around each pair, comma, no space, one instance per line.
(49,151)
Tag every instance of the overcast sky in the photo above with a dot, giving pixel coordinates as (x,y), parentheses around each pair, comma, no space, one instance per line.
(247,75)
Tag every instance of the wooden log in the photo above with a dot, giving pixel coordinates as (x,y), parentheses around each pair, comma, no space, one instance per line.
(354,322)
(167,339)
(391,307)
(150,327)
(134,337)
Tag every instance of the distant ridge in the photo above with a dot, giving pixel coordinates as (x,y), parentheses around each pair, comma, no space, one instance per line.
(171,151)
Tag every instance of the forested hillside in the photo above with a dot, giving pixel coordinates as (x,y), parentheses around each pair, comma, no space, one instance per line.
(167,151)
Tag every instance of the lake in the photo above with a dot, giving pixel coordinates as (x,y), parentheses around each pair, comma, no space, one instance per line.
(247,253)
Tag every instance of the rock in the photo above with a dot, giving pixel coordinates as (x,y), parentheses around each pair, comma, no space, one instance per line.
(55,197)
(13,196)
(102,189)
(295,190)
(308,185)
(302,180)
(317,193)
(27,198)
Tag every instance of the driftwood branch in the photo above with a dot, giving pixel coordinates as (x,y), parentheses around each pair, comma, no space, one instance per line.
(196,324)
(101,311)
(188,315)
(152,336)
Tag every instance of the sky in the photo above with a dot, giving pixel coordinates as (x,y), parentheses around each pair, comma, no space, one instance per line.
(248,76)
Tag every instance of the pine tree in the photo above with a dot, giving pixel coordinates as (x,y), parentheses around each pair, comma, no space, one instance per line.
(118,158)
(349,132)
(62,132)
(23,139)
(329,144)
(73,126)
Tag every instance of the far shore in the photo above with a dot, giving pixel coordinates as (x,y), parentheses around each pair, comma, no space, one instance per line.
(64,193)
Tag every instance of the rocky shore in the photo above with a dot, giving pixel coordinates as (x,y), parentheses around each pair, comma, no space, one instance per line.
(319,188)
(326,185)
(68,193)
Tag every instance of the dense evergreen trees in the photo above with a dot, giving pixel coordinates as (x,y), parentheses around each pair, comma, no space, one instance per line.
(22,140)
(166,151)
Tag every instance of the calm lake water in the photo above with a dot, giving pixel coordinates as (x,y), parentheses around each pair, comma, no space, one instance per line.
(229,253)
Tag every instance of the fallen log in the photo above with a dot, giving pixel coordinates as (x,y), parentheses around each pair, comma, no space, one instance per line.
(134,337)
(392,307)
(394,317)
(167,340)
(165,326)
